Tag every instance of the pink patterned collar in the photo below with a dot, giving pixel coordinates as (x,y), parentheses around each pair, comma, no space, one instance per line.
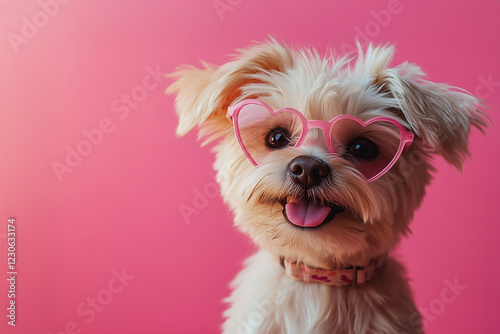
(348,276)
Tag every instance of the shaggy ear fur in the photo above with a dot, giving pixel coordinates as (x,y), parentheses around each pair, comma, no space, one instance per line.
(439,115)
(203,95)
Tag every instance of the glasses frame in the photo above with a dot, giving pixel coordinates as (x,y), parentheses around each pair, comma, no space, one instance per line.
(406,137)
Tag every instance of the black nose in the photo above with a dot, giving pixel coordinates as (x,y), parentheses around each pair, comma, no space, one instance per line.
(308,171)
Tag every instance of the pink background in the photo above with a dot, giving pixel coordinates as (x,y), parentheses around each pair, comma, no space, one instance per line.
(119,207)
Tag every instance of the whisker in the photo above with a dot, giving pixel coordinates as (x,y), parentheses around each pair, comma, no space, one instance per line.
(256,188)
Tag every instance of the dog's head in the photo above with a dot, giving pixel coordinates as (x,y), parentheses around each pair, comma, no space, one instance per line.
(317,191)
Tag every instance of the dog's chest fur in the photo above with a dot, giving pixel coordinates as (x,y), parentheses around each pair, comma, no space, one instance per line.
(265,300)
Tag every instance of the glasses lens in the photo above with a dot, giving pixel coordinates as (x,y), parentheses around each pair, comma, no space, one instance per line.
(370,149)
(261,132)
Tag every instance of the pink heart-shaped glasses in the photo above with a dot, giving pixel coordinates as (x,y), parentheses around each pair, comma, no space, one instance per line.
(372,147)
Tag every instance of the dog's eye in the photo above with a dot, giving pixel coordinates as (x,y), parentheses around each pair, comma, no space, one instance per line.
(363,148)
(277,138)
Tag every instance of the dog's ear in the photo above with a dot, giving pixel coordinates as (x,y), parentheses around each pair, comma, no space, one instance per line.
(203,95)
(439,115)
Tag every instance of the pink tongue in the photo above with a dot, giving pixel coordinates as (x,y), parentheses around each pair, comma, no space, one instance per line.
(304,213)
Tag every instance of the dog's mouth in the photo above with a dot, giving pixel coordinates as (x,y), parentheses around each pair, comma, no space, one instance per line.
(307,212)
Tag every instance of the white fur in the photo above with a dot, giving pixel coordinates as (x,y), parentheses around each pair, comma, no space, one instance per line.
(267,301)
(378,212)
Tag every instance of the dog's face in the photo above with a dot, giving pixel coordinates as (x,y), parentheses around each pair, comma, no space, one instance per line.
(304,201)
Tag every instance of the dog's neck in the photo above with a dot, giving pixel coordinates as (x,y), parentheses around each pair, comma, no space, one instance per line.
(345,276)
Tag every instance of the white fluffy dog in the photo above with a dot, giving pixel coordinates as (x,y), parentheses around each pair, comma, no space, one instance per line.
(323,162)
